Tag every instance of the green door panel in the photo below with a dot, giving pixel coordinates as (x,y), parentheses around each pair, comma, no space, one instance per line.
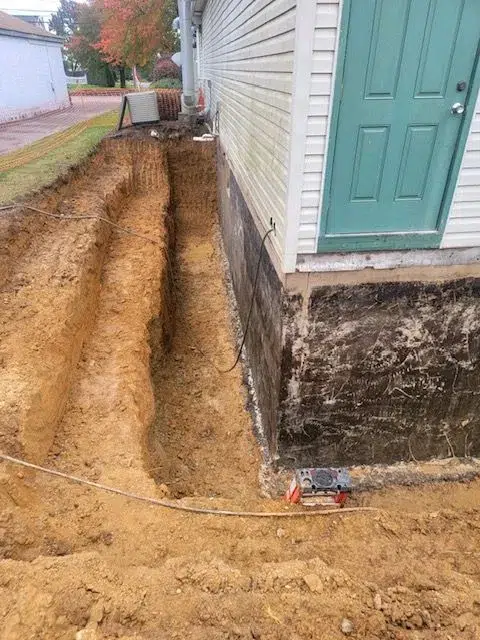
(416,161)
(392,152)
(369,163)
(387,26)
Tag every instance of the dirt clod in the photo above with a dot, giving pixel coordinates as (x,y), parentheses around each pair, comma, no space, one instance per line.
(313,582)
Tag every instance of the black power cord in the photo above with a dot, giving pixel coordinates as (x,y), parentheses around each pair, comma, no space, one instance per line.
(250,309)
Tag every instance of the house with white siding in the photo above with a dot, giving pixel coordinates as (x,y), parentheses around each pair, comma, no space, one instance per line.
(351,128)
(32,78)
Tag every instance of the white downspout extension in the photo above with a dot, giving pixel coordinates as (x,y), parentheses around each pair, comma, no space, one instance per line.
(188,75)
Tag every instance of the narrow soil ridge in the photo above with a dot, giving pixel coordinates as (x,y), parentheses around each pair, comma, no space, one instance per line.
(111,400)
(49,279)
(101,394)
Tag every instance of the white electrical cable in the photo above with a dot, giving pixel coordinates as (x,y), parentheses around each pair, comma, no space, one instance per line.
(86,217)
(169,504)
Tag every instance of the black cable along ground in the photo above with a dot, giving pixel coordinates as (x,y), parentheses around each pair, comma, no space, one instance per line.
(169,504)
(18,207)
(249,315)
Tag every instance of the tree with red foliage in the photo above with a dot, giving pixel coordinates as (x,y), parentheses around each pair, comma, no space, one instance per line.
(134,30)
(165,68)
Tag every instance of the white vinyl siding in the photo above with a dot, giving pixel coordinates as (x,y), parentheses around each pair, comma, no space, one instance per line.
(247,55)
(463,224)
(327,22)
(252,55)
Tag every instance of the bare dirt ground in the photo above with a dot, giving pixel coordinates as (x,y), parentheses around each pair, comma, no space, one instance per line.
(100,377)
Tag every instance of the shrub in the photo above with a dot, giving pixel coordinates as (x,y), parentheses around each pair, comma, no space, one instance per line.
(165,68)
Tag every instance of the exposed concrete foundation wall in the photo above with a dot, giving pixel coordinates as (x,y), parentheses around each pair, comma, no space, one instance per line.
(242,243)
(382,372)
(359,367)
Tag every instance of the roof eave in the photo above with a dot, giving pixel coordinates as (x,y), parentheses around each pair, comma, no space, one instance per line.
(31,36)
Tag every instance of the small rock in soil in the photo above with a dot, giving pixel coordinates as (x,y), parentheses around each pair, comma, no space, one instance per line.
(96,613)
(417,620)
(163,491)
(346,627)
(376,624)
(87,634)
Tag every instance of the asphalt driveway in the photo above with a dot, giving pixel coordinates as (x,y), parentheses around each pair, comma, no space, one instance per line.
(14,135)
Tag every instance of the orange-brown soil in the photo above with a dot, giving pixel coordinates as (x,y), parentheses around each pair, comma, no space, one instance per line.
(101,377)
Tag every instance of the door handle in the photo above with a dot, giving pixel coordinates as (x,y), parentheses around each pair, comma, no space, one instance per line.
(458,108)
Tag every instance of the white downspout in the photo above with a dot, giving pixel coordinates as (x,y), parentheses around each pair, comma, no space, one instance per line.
(188,75)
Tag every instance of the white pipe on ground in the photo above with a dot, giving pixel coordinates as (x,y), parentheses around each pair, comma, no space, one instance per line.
(186,40)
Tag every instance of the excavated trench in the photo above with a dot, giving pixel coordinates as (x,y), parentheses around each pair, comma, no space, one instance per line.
(100,370)
(101,376)
(77,296)
(201,439)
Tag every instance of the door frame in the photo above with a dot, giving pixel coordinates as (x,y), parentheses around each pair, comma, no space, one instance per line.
(392,240)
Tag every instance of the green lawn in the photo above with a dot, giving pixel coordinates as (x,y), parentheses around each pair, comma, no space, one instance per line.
(76,87)
(166,83)
(43,169)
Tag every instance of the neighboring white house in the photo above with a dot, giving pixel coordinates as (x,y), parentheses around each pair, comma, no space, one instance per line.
(349,130)
(32,78)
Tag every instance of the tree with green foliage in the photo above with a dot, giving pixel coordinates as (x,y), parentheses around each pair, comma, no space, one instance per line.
(64,22)
(170,41)
(82,45)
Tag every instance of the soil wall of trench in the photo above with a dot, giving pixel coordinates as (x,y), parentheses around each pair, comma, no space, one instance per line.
(51,281)
(88,315)
(88,312)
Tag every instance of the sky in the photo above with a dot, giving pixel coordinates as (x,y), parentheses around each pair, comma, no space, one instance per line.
(42,8)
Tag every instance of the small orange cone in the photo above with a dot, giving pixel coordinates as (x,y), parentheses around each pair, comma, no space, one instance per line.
(201,100)
(293,493)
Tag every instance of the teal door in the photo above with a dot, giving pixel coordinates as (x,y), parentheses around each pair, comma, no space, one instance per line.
(404,65)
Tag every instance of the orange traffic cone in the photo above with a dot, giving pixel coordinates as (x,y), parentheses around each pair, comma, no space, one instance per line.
(201,100)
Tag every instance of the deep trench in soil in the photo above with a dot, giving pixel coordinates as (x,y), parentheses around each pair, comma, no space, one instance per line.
(201,440)
(92,398)
(100,373)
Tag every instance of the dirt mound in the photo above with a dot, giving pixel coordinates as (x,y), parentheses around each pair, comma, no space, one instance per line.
(48,303)
(101,377)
